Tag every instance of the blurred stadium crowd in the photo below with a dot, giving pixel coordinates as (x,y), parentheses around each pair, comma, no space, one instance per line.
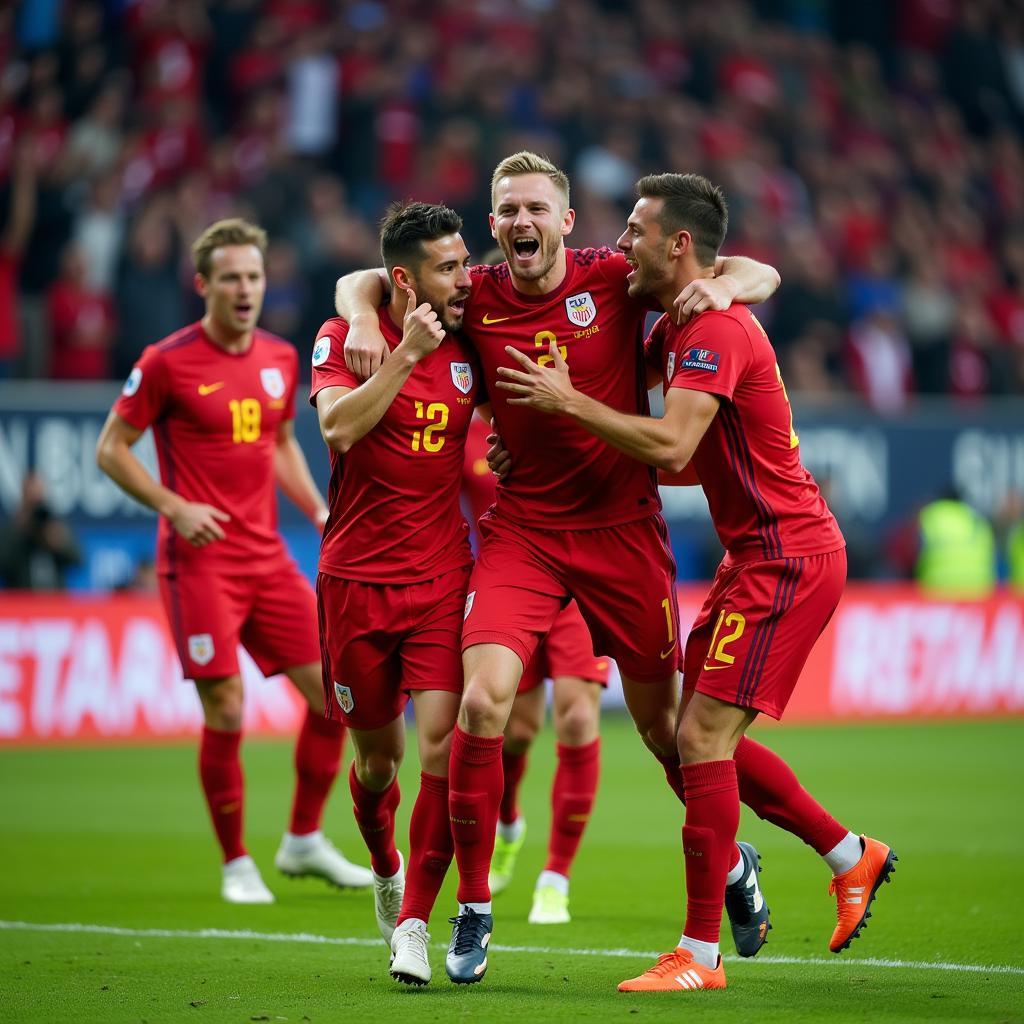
(871,151)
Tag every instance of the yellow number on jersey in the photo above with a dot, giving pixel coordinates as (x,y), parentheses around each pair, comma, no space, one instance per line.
(430,438)
(793,439)
(245,420)
(716,649)
(543,339)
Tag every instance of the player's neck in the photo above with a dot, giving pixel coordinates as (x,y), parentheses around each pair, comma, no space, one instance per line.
(549,282)
(685,275)
(230,341)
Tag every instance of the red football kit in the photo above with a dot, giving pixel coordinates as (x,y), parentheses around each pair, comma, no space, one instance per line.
(395,556)
(567,650)
(576,518)
(785,562)
(215,417)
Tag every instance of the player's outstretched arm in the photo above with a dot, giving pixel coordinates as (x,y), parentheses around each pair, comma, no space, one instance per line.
(667,443)
(357,297)
(737,279)
(348,414)
(291,470)
(199,524)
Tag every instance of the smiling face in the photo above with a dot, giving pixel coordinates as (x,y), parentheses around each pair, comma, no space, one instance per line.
(530,220)
(234,288)
(441,278)
(646,248)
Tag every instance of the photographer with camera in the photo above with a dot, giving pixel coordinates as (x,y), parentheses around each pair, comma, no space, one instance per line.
(36,548)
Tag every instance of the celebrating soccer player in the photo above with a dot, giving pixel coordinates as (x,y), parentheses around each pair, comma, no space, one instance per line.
(576,519)
(728,424)
(220,397)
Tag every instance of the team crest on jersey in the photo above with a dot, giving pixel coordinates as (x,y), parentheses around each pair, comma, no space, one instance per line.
(131,385)
(670,369)
(321,350)
(700,359)
(272,380)
(462,377)
(344,695)
(200,648)
(581,309)
(470,598)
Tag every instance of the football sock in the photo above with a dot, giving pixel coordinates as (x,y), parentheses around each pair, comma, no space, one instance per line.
(512,766)
(771,790)
(674,776)
(709,838)
(317,760)
(512,831)
(844,854)
(705,953)
(554,880)
(474,792)
(220,773)
(375,816)
(430,848)
(572,799)
(736,871)
(483,907)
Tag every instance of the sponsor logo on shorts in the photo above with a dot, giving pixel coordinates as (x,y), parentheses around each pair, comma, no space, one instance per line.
(671,368)
(700,359)
(272,380)
(321,350)
(581,309)
(200,648)
(462,377)
(470,598)
(131,385)
(344,695)
(664,654)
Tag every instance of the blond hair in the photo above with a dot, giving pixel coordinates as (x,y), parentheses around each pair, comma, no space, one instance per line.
(233,231)
(525,162)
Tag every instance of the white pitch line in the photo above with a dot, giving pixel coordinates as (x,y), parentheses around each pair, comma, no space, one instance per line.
(331,940)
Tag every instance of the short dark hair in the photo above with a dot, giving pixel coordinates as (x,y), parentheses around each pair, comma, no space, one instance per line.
(406,226)
(692,203)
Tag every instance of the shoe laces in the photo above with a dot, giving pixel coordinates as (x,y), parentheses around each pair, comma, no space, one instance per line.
(416,937)
(469,932)
(668,963)
(390,897)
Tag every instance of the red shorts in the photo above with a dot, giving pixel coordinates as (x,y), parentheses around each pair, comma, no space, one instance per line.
(622,577)
(380,642)
(566,651)
(272,616)
(757,627)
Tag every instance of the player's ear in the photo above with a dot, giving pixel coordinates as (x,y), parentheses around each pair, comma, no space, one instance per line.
(568,219)
(200,283)
(490,220)
(401,277)
(682,242)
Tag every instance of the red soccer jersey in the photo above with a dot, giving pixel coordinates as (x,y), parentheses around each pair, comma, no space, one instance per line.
(763,503)
(562,476)
(394,496)
(215,418)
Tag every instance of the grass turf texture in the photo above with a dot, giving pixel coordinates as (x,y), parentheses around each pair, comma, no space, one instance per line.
(119,837)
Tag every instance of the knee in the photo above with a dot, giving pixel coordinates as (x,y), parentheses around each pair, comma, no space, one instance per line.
(578,724)
(697,743)
(377,770)
(222,709)
(480,714)
(658,734)
(519,735)
(435,749)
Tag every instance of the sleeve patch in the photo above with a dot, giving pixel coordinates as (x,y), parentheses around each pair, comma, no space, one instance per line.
(131,385)
(321,350)
(700,359)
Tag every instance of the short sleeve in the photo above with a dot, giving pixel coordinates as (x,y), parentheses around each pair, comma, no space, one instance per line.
(145,393)
(711,355)
(293,383)
(329,369)
(654,347)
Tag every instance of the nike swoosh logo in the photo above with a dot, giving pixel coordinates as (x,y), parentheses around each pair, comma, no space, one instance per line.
(494,319)
(665,654)
(208,389)
(714,668)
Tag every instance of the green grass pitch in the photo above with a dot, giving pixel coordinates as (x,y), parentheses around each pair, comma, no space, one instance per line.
(115,845)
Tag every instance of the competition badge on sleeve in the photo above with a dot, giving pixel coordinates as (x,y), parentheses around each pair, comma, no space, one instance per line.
(131,385)
(321,350)
(671,368)
(462,377)
(581,309)
(272,380)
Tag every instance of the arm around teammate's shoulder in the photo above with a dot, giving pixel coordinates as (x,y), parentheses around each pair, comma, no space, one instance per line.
(357,297)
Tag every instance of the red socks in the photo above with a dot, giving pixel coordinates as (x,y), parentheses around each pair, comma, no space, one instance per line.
(430,848)
(474,792)
(572,799)
(709,842)
(317,760)
(769,788)
(220,773)
(513,767)
(375,816)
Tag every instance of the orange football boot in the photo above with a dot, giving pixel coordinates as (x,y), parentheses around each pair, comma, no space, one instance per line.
(855,889)
(676,972)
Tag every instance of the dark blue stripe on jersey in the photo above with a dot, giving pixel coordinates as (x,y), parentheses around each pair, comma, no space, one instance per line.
(184,337)
(739,456)
(327,678)
(177,628)
(160,429)
(775,541)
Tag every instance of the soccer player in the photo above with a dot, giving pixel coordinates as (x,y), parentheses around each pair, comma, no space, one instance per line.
(728,424)
(566,656)
(220,397)
(577,518)
(395,559)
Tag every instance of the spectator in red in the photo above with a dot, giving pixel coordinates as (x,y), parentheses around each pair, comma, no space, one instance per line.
(21,207)
(81,323)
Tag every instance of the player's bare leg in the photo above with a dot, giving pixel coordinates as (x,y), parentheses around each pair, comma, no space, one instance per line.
(492,673)
(373,781)
(654,708)
(524,722)
(576,716)
(430,836)
(220,772)
(304,849)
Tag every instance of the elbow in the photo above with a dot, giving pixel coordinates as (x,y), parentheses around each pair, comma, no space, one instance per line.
(673,461)
(104,455)
(774,280)
(335,439)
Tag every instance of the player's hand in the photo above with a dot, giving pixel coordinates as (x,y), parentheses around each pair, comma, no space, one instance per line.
(198,523)
(703,294)
(499,462)
(365,347)
(320,519)
(421,330)
(547,388)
